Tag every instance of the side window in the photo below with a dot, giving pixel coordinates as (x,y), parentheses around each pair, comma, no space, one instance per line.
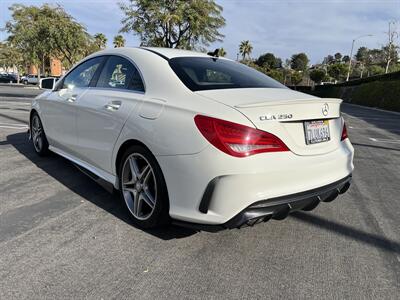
(83,74)
(136,82)
(119,73)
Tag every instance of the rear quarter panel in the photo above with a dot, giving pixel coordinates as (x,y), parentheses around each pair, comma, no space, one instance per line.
(171,129)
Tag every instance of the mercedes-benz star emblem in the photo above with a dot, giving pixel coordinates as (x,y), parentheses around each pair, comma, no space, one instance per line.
(325,109)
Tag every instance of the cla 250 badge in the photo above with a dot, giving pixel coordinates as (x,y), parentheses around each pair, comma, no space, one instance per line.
(276,117)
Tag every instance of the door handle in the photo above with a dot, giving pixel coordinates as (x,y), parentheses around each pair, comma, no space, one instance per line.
(113,105)
(72,98)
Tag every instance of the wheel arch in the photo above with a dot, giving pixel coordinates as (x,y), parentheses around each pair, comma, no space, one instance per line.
(31,113)
(124,146)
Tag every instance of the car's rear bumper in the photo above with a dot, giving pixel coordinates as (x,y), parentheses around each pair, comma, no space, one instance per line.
(278,208)
(212,188)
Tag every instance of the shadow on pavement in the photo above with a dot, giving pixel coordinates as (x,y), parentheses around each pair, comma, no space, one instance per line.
(24,121)
(66,173)
(355,234)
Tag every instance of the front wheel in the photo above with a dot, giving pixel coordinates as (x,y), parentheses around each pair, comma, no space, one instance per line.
(38,136)
(143,188)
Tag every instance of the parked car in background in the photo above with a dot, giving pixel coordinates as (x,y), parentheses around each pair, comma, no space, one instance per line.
(196,139)
(8,78)
(29,79)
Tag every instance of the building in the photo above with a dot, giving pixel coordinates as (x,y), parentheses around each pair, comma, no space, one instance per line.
(53,67)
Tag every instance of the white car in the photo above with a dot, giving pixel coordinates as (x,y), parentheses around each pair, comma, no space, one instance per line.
(199,140)
(29,79)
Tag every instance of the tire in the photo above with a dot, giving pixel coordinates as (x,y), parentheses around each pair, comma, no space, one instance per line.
(25,82)
(38,136)
(145,193)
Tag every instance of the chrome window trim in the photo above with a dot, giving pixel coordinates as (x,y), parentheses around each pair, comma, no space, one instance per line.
(115,89)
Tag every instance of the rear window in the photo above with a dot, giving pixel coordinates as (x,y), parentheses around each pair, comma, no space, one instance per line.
(207,73)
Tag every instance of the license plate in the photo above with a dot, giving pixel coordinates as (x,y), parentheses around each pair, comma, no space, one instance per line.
(316,131)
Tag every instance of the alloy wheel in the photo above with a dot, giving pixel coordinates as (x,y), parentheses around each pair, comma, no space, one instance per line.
(37,133)
(139,187)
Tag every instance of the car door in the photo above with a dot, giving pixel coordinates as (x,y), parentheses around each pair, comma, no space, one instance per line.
(104,109)
(32,79)
(59,107)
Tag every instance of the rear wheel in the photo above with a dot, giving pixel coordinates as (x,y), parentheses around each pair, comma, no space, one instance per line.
(143,188)
(38,136)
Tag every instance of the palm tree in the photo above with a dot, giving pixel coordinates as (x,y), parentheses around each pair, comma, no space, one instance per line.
(245,49)
(119,41)
(100,40)
(221,52)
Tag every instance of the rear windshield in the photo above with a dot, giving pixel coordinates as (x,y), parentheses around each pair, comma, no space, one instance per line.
(206,73)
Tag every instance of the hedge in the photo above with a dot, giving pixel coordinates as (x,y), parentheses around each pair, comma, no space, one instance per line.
(381,91)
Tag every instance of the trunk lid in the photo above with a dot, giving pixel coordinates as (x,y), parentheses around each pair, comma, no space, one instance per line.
(282,112)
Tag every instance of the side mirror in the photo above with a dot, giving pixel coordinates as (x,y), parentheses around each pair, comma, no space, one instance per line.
(48,83)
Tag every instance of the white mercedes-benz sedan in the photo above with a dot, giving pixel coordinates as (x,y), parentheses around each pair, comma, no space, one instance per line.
(193,138)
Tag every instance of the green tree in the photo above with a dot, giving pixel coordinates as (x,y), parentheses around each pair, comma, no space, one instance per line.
(338,57)
(245,49)
(375,70)
(390,53)
(269,61)
(329,60)
(299,62)
(390,49)
(221,52)
(100,40)
(119,41)
(363,58)
(10,57)
(362,54)
(317,75)
(376,57)
(296,77)
(173,24)
(46,31)
(346,59)
(276,74)
(337,71)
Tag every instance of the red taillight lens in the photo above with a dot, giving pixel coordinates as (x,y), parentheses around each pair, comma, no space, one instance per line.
(344,132)
(237,140)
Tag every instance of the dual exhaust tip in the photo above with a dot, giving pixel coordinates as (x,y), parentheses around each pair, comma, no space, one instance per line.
(284,210)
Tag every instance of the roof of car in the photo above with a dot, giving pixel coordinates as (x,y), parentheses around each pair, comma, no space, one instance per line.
(171,52)
(166,53)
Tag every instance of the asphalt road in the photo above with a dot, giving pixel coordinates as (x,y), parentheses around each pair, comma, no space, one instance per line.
(63,236)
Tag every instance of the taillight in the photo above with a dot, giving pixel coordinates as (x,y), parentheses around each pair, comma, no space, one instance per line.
(237,140)
(344,132)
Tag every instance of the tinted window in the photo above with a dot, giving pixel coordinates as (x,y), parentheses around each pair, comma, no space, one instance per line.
(136,82)
(203,73)
(82,74)
(119,73)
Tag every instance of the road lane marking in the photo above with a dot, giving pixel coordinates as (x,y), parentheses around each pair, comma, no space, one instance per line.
(366,119)
(375,128)
(13,124)
(14,127)
(385,141)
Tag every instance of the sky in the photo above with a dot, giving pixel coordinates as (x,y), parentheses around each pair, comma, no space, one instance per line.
(283,27)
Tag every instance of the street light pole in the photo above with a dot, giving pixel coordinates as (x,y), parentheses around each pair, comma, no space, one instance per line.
(351,53)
